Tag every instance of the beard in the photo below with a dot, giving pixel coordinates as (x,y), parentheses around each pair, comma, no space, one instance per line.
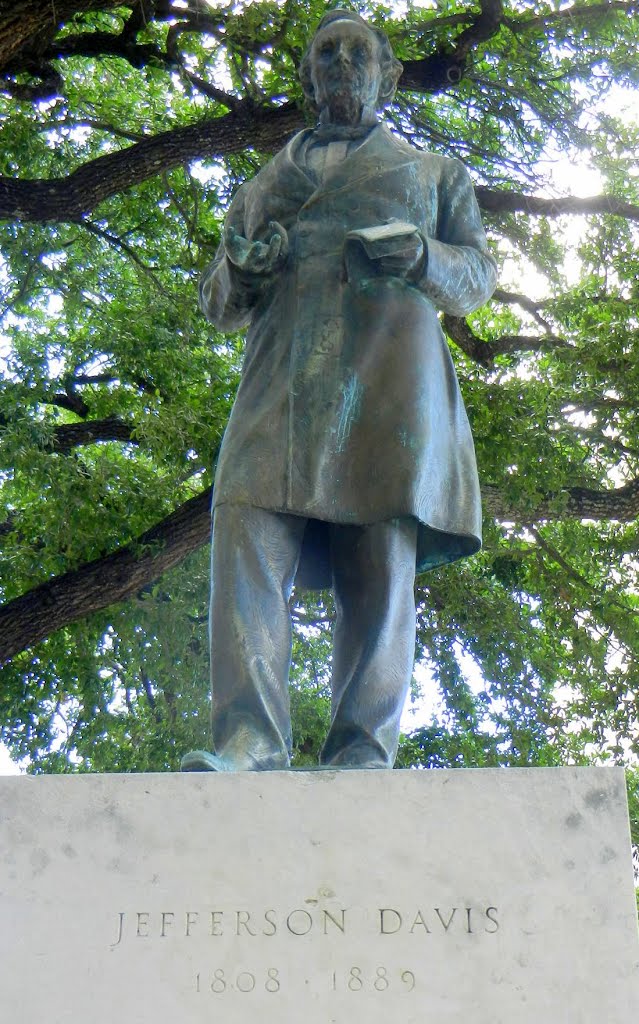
(342,91)
(344,103)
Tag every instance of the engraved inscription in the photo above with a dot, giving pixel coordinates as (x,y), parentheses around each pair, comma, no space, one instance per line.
(457,919)
(354,979)
(218,923)
(242,981)
(300,922)
(382,980)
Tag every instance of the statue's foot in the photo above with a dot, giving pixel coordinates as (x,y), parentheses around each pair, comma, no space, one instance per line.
(356,766)
(203,761)
(357,757)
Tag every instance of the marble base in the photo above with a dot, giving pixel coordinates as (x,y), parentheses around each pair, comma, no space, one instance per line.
(483,897)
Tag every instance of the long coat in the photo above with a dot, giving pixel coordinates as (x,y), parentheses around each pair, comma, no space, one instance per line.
(349,410)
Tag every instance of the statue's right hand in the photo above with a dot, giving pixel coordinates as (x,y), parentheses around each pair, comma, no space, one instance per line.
(254,257)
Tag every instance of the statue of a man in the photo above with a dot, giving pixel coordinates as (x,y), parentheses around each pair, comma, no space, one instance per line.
(348,460)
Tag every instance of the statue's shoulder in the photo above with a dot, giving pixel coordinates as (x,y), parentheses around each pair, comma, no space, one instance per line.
(451,172)
(274,167)
(433,162)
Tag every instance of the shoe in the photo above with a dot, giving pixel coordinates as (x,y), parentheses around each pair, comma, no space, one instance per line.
(203,761)
(355,759)
(356,766)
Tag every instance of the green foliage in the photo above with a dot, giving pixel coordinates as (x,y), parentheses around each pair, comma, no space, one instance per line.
(532,647)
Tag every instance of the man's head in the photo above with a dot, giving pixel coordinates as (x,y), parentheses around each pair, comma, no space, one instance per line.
(349,65)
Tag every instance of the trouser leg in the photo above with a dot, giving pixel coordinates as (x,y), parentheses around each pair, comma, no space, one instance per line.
(253,563)
(374,640)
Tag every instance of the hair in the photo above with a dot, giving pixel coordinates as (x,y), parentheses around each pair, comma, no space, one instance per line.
(390,67)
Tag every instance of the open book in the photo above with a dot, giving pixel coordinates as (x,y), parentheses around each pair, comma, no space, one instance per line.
(385,239)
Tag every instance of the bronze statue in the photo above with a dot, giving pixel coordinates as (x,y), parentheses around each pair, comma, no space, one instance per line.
(348,459)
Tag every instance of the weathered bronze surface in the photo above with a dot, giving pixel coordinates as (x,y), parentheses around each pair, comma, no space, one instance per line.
(348,459)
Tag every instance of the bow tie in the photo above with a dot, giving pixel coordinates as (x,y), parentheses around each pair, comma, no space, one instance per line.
(326,133)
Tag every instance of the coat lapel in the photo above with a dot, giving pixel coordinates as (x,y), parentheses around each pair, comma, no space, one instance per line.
(288,178)
(283,189)
(379,152)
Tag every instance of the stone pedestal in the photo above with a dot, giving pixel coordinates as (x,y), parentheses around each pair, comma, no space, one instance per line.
(483,897)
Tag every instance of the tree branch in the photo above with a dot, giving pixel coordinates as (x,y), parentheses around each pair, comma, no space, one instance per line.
(174,54)
(98,44)
(571,573)
(572,13)
(104,581)
(72,197)
(70,401)
(27,42)
(498,201)
(72,435)
(50,85)
(130,252)
(529,305)
(8,525)
(446,67)
(30,25)
(67,436)
(89,122)
(485,352)
(482,28)
(619,504)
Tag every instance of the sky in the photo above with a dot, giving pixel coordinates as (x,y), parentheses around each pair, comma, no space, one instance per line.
(7,766)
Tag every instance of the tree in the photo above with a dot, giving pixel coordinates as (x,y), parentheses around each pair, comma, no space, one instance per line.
(127,126)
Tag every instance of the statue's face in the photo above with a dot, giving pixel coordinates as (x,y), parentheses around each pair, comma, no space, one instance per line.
(345,70)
